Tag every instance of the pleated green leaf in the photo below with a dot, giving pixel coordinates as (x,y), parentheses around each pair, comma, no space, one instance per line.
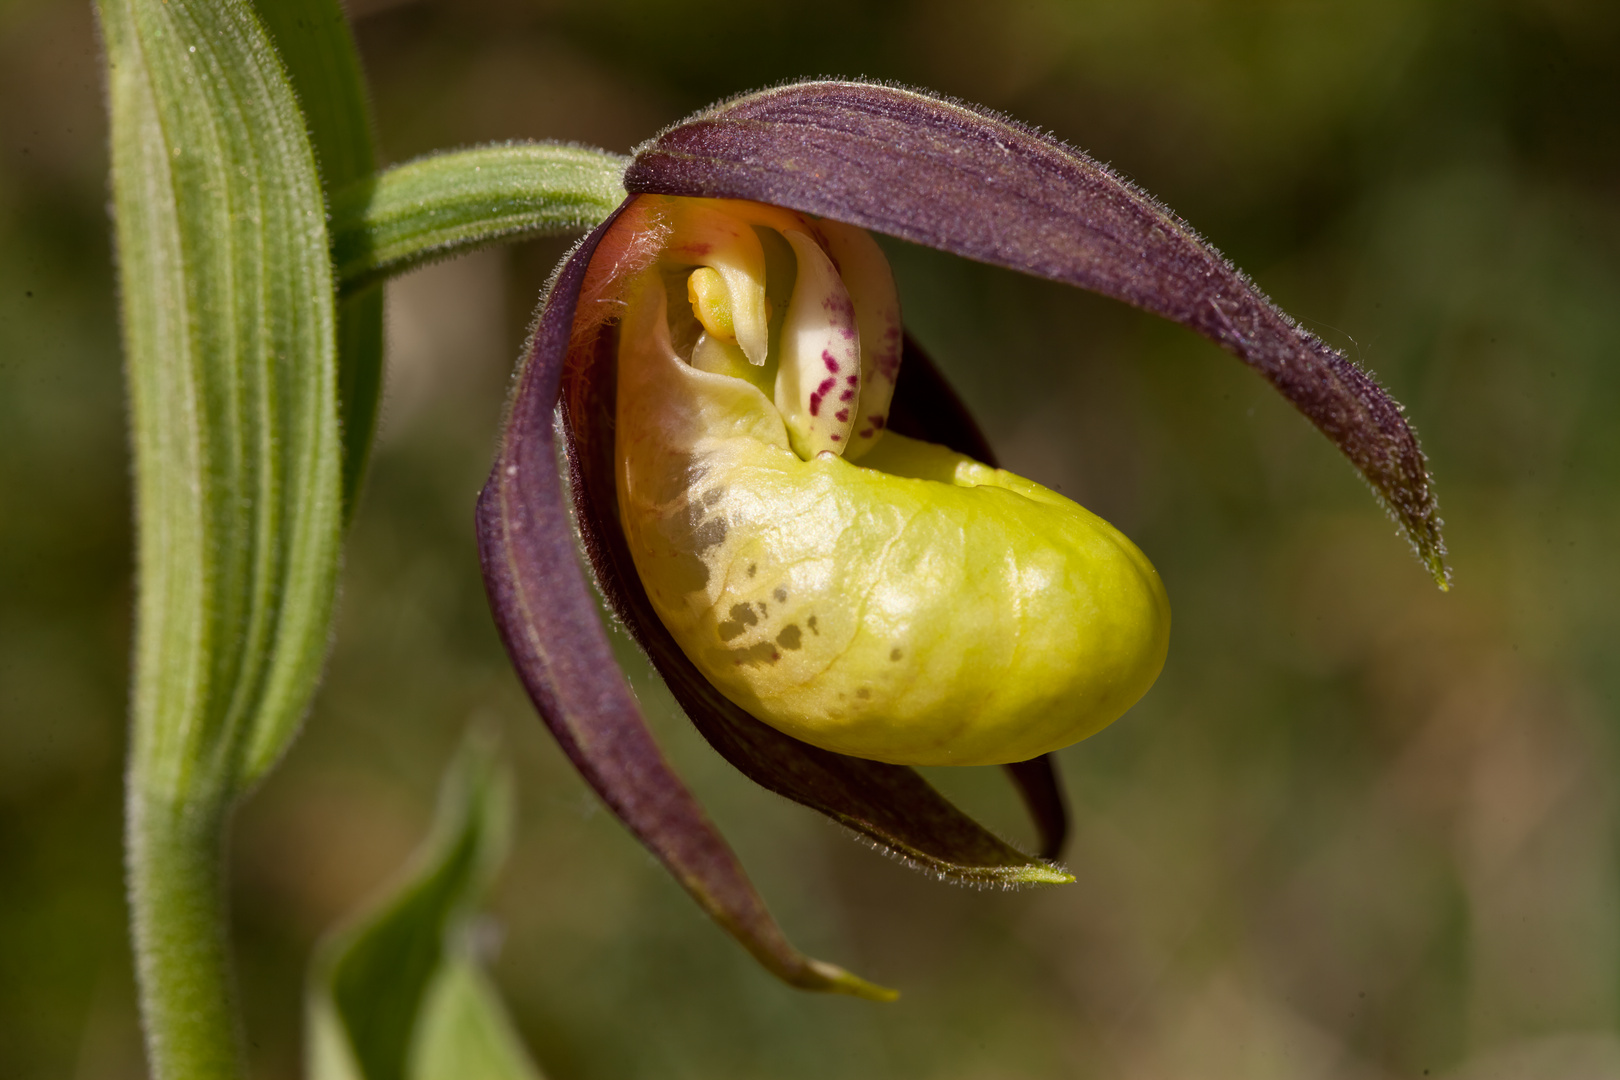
(397,995)
(230,354)
(450,203)
(230,351)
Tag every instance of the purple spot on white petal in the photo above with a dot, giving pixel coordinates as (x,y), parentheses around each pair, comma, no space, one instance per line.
(839,305)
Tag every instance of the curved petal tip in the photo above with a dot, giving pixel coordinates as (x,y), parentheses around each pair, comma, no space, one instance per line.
(834,979)
(964,180)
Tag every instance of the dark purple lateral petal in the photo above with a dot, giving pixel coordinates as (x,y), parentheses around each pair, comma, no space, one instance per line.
(1037,782)
(966,181)
(549,622)
(891,806)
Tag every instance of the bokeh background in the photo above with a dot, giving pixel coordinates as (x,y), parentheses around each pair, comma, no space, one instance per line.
(1360,829)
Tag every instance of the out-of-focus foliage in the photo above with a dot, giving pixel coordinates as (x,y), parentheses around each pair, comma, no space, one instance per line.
(398,993)
(1359,829)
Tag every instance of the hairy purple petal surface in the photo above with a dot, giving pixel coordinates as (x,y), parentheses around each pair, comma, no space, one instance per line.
(969,182)
(549,622)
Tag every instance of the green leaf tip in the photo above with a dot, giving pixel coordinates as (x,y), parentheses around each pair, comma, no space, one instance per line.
(397,994)
(464,1031)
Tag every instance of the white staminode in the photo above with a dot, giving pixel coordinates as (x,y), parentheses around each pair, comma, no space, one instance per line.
(818,384)
(840,339)
(866,274)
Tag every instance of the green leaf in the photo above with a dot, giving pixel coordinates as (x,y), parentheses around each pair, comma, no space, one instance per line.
(230,354)
(449,203)
(315,43)
(397,995)
(230,351)
(464,1033)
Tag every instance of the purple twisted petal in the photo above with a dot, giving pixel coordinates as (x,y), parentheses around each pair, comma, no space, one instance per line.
(966,181)
(549,622)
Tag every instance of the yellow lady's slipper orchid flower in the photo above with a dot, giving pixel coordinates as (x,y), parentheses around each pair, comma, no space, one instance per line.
(824,597)
(912,606)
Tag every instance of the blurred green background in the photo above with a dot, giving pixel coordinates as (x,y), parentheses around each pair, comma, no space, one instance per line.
(1360,829)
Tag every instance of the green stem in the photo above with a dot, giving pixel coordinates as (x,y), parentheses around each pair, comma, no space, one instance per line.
(449,203)
(177,893)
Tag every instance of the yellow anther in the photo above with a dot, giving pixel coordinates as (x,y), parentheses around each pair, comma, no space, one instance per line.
(711,302)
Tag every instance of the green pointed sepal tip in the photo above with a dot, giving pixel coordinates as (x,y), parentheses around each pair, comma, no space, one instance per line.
(1441,572)
(1039,874)
(833,979)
